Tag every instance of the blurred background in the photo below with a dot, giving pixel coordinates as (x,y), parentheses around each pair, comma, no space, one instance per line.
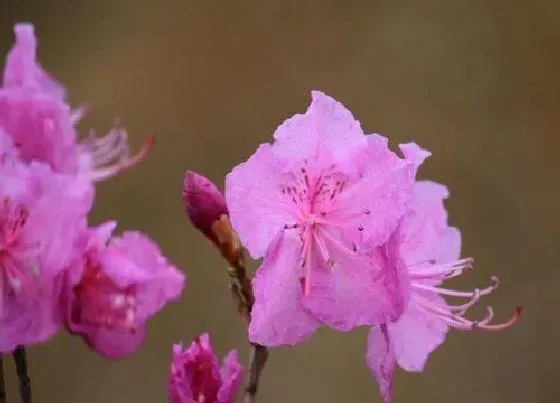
(476,82)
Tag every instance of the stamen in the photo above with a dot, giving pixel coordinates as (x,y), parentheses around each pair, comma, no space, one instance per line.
(429,269)
(104,173)
(494,283)
(79,113)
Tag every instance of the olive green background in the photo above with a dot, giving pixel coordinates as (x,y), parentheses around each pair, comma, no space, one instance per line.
(476,82)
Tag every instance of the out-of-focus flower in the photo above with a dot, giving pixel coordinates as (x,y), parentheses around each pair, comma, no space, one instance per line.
(34,112)
(41,214)
(308,203)
(195,375)
(425,252)
(108,294)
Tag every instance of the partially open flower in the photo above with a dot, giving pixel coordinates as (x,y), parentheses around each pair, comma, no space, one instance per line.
(114,288)
(196,377)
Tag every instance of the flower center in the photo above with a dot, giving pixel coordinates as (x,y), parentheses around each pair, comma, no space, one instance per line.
(102,303)
(12,277)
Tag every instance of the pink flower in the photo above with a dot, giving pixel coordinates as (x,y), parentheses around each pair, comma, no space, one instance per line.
(34,112)
(108,294)
(425,252)
(41,214)
(196,377)
(307,203)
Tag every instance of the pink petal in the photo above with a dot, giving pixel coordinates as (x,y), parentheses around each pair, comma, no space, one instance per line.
(421,230)
(326,127)
(450,248)
(380,357)
(414,153)
(416,334)
(254,199)
(231,374)
(357,290)
(26,321)
(278,317)
(379,200)
(41,126)
(22,69)
(114,344)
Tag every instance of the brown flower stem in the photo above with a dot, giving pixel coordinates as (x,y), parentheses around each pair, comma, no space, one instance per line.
(20,358)
(2,384)
(227,241)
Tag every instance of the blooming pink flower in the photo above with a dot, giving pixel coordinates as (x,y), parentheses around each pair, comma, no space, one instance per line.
(41,214)
(307,203)
(34,112)
(425,252)
(108,294)
(196,377)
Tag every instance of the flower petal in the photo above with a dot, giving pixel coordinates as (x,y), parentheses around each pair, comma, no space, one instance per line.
(231,374)
(380,357)
(22,69)
(326,127)
(423,233)
(353,290)
(416,334)
(114,344)
(278,318)
(381,197)
(450,248)
(254,199)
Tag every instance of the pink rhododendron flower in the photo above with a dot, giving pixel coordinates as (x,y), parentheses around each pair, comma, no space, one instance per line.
(195,375)
(41,214)
(307,203)
(34,112)
(425,252)
(108,294)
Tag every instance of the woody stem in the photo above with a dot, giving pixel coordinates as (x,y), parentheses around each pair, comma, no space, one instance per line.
(241,288)
(20,358)
(2,385)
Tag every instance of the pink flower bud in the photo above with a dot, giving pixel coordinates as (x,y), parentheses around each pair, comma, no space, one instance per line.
(204,203)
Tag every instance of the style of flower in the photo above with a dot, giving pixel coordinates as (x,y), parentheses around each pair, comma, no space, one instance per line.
(196,377)
(108,294)
(38,240)
(34,112)
(425,251)
(307,203)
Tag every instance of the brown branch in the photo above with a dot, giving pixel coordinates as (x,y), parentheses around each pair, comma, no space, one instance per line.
(20,358)
(2,384)
(227,241)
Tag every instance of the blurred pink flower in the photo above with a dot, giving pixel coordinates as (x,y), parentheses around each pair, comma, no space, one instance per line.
(34,112)
(41,214)
(195,375)
(307,203)
(425,252)
(108,294)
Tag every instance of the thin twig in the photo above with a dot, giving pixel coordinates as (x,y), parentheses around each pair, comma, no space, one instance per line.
(2,384)
(227,241)
(20,358)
